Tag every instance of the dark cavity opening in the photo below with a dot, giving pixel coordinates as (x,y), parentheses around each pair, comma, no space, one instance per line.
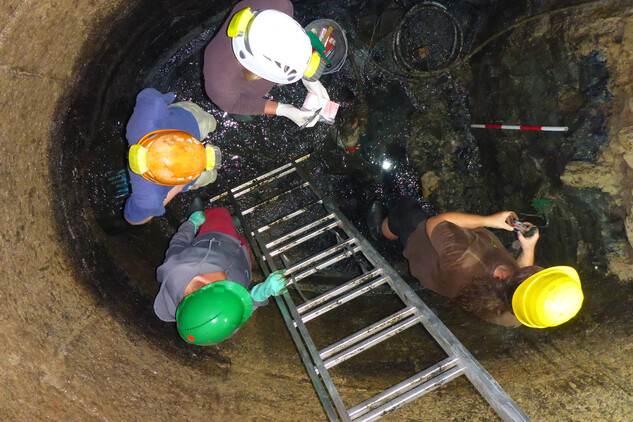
(408,128)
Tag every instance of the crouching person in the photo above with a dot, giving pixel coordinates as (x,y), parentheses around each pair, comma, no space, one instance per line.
(166,154)
(455,255)
(205,277)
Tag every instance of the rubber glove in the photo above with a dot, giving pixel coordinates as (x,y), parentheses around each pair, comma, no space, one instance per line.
(317,89)
(274,285)
(300,117)
(197,218)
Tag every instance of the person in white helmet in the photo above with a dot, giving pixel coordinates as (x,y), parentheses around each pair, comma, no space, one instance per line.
(259,46)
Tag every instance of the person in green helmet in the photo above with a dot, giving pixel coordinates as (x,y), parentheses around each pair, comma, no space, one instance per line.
(204,279)
(454,254)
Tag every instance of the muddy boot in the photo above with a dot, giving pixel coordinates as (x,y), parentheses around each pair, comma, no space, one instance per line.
(242,118)
(195,205)
(375,217)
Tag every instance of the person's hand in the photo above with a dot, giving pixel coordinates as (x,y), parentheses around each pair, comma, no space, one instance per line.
(274,285)
(317,89)
(528,242)
(501,220)
(197,218)
(277,282)
(299,117)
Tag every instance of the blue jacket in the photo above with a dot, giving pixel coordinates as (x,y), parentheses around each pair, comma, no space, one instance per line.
(152,113)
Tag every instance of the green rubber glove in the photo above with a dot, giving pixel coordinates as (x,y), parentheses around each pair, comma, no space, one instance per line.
(197,218)
(274,285)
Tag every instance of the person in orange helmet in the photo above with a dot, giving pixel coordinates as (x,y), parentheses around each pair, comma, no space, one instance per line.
(166,155)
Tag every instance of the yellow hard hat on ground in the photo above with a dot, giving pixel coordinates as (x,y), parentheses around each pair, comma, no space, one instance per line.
(171,157)
(548,298)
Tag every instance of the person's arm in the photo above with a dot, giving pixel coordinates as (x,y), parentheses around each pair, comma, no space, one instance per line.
(170,195)
(528,245)
(274,285)
(271,108)
(182,239)
(471,221)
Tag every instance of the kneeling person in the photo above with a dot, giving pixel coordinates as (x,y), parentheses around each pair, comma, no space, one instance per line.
(204,280)
(166,155)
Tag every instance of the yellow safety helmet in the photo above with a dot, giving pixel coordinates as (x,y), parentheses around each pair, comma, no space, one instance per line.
(548,298)
(171,157)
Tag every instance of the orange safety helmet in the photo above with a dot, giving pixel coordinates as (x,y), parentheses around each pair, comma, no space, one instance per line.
(171,157)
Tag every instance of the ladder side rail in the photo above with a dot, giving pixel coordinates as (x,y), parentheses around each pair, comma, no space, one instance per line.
(317,363)
(303,347)
(307,361)
(487,386)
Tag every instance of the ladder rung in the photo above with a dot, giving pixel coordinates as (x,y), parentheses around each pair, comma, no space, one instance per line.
(343,299)
(318,256)
(411,395)
(336,258)
(366,332)
(287,217)
(299,231)
(255,186)
(402,387)
(274,198)
(338,290)
(264,176)
(304,238)
(372,341)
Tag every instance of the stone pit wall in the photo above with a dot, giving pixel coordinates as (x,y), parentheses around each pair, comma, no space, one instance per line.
(613,173)
(66,356)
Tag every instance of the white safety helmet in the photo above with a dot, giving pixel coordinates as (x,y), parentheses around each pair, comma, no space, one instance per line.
(274,46)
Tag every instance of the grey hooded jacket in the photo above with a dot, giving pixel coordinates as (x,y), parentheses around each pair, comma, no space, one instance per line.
(189,256)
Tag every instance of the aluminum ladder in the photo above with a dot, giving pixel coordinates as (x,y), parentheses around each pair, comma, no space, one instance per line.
(293,184)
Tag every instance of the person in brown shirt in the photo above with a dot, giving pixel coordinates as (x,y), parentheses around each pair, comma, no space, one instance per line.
(455,255)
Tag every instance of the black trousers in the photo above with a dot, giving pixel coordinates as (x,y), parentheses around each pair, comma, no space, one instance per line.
(404,218)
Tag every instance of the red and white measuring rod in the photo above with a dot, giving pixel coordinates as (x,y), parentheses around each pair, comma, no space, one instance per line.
(514,127)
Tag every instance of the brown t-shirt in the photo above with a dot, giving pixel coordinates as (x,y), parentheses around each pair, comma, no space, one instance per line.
(224,76)
(453,256)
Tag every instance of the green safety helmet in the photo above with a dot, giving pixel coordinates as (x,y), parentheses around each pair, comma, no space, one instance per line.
(212,313)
